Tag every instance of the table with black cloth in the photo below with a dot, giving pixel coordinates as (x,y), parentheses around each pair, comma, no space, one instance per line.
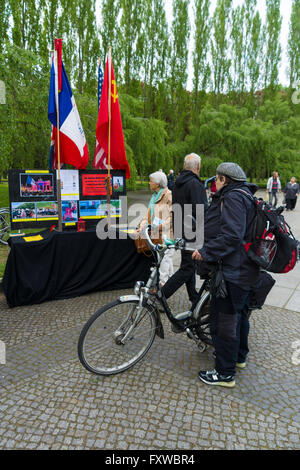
(68,264)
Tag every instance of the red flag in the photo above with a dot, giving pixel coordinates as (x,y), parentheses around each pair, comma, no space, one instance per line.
(118,160)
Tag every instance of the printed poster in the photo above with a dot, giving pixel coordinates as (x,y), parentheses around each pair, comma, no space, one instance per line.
(69,185)
(93,184)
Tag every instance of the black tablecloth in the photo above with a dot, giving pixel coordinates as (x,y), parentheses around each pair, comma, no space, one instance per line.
(68,264)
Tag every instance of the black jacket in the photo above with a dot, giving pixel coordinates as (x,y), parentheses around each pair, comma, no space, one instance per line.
(228,224)
(171,181)
(188,189)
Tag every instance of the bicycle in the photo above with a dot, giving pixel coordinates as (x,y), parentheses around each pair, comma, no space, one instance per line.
(4,225)
(119,334)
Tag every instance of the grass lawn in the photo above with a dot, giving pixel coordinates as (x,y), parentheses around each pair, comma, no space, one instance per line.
(4,198)
(4,249)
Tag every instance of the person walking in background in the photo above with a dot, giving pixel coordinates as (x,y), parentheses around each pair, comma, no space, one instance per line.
(171,180)
(160,217)
(273,188)
(291,191)
(213,188)
(188,189)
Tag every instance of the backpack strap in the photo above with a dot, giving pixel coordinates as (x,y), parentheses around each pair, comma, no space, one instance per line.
(249,196)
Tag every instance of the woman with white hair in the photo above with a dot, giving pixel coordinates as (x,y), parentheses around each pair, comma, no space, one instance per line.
(159,216)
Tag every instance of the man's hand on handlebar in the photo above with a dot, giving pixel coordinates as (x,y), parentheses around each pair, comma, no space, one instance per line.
(197,256)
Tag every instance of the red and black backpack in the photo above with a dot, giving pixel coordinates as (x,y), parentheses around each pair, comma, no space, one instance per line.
(272,246)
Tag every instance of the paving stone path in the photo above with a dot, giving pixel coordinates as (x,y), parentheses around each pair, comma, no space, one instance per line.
(49,401)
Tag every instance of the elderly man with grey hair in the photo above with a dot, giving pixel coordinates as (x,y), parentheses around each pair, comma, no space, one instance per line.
(188,190)
(159,216)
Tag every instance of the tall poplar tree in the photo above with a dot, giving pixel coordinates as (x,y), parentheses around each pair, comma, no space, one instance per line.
(238,37)
(220,45)
(273,46)
(294,44)
(26,25)
(50,26)
(109,32)
(254,41)
(81,44)
(155,48)
(130,39)
(178,66)
(200,52)
(4,22)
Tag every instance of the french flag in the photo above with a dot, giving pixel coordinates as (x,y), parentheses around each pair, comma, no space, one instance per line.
(73,146)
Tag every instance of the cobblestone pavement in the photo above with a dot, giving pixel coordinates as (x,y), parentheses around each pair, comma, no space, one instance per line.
(49,401)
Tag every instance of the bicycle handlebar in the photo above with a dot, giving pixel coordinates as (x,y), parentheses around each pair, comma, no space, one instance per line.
(179,244)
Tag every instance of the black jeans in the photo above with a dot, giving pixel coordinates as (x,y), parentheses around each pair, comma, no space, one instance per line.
(291,203)
(229,326)
(184,275)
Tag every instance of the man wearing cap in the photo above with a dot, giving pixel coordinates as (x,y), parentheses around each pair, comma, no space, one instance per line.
(228,223)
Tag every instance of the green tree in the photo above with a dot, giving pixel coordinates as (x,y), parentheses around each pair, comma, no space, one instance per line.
(200,52)
(220,45)
(178,67)
(238,49)
(24,127)
(273,46)
(110,33)
(154,41)
(50,26)
(84,31)
(294,44)
(254,58)
(130,40)
(26,30)
(4,22)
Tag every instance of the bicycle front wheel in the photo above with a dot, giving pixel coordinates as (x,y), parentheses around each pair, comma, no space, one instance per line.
(116,337)
(4,227)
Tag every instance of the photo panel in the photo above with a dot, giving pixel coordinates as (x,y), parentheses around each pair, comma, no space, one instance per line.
(23,212)
(118,184)
(97,209)
(69,211)
(36,185)
(46,210)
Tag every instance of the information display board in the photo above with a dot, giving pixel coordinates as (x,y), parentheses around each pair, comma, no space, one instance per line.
(33,200)
(33,197)
(93,204)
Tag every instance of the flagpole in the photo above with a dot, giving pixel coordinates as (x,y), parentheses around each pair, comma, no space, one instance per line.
(58,146)
(109,136)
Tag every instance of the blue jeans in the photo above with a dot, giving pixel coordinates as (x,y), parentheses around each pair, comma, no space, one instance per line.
(273,195)
(229,327)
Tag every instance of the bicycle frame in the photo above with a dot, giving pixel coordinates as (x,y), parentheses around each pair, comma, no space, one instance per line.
(144,295)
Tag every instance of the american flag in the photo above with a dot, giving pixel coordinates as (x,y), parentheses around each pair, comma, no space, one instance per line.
(100,83)
(99,155)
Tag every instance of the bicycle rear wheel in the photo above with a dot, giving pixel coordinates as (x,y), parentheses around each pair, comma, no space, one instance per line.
(202,314)
(100,347)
